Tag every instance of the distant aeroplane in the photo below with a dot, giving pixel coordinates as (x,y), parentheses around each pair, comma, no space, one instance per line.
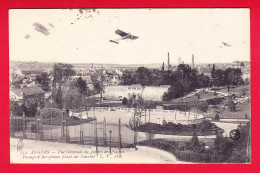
(123,35)
(40,28)
(226,44)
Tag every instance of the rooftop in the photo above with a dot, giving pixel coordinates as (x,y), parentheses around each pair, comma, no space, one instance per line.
(28,90)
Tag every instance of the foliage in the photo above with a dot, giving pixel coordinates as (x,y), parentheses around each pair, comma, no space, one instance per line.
(175,91)
(124,101)
(194,141)
(183,80)
(217,117)
(16,109)
(44,81)
(233,76)
(135,102)
(204,128)
(81,85)
(61,72)
(224,150)
(58,98)
(149,136)
(203,106)
(232,106)
(128,78)
(223,145)
(230,76)
(30,110)
(219,78)
(143,76)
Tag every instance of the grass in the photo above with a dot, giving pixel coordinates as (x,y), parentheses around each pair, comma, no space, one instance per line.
(224,112)
(242,110)
(239,89)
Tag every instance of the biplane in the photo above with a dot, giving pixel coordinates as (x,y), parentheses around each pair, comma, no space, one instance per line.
(226,44)
(123,35)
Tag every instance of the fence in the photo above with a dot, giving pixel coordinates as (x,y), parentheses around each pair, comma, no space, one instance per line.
(55,125)
(155,115)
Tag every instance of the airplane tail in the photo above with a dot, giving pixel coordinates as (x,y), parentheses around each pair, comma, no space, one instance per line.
(114,41)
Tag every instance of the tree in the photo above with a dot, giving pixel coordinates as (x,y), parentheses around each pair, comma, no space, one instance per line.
(185,70)
(195,141)
(213,72)
(61,72)
(144,76)
(16,109)
(81,85)
(203,81)
(163,67)
(219,77)
(223,145)
(58,98)
(30,110)
(44,81)
(97,86)
(165,97)
(128,78)
(233,76)
(175,91)
(136,102)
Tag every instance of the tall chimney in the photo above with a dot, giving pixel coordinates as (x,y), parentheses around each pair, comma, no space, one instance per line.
(168,61)
(192,60)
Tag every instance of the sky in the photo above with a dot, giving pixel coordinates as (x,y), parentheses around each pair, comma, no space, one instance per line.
(76,37)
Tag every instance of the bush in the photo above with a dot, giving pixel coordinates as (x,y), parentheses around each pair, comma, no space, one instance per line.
(124,101)
(203,106)
(217,117)
(16,109)
(34,128)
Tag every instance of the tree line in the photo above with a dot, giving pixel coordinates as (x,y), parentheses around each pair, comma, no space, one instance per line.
(183,80)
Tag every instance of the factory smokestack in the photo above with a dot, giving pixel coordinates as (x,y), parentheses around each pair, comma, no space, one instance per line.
(168,61)
(192,60)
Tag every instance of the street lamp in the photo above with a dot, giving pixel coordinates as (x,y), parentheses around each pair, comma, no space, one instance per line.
(110,132)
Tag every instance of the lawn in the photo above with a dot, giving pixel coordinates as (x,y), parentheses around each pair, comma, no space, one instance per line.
(242,110)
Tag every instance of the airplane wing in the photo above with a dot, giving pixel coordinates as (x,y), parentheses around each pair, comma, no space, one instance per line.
(121,33)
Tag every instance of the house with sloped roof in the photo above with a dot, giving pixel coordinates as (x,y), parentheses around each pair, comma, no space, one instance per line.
(27,95)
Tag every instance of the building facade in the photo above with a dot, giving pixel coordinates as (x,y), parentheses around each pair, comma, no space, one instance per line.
(154,93)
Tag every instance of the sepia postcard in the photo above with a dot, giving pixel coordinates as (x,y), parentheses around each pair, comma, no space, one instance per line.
(158,85)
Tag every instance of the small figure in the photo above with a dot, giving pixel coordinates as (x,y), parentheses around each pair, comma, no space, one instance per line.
(164,122)
(20,146)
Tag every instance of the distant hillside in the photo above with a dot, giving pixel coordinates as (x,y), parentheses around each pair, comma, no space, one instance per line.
(43,66)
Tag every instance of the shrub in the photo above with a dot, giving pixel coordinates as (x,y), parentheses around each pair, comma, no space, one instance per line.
(124,101)
(34,128)
(217,117)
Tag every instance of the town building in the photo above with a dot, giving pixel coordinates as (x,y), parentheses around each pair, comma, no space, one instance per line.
(154,93)
(27,95)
